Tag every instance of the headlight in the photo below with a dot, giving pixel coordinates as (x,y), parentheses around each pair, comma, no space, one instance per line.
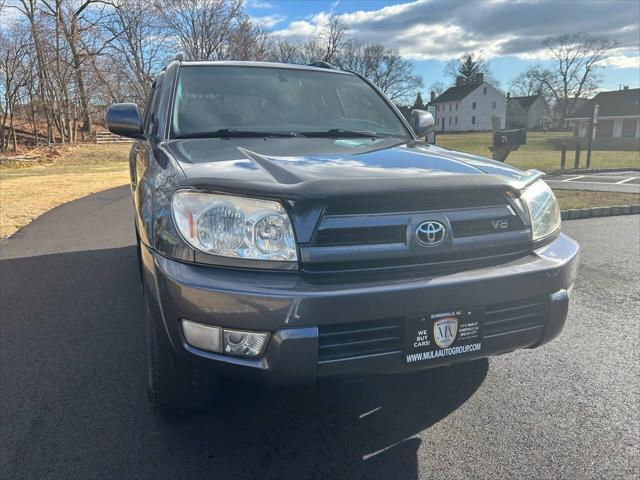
(234,226)
(543,209)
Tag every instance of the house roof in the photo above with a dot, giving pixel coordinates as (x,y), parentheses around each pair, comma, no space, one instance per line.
(617,103)
(453,94)
(577,103)
(525,102)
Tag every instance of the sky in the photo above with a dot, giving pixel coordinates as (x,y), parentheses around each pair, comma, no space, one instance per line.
(508,33)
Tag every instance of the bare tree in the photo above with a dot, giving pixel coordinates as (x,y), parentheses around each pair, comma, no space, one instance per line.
(385,68)
(138,47)
(312,50)
(202,27)
(249,41)
(13,77)
(527,83)
(577,60)
(74,19)
(284,51)
(333,38)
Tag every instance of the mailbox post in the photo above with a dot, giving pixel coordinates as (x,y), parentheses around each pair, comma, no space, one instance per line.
(506,141)
(592,132)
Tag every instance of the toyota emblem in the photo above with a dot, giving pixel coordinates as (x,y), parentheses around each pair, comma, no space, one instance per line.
(431,233)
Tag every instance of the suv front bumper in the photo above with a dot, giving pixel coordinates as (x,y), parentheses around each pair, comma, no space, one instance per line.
(293,309)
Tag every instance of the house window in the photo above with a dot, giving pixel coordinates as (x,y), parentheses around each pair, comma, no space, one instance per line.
(493,105)
(450,107)
(456,120)
(473,106)
(473,119)
(484,91)
(449,121)
(456,107)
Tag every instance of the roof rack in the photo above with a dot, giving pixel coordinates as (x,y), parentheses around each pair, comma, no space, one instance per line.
(321,65)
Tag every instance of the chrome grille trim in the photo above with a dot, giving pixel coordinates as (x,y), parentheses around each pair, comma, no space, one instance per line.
(348,241)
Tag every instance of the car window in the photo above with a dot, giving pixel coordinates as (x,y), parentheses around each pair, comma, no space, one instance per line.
(147,106)
(209,98)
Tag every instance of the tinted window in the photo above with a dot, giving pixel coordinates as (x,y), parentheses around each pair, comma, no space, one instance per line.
(209,98)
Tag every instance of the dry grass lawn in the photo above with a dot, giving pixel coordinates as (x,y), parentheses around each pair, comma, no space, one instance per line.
(540,151)
(27,190)
(569,199)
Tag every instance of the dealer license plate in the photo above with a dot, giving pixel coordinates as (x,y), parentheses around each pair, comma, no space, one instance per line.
(442,336)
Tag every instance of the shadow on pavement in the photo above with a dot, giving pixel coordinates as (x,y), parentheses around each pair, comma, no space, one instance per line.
(73,398)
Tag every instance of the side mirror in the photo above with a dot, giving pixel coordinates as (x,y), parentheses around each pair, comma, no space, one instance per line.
(422,122)
(124,119)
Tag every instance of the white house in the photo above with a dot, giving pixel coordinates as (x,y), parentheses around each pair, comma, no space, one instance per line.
(531,112)
(618,115)
(469,106)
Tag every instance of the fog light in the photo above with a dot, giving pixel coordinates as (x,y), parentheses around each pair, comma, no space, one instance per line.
(247,344)
(202,336)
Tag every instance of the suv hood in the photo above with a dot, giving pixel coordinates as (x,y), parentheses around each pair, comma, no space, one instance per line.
(321,167)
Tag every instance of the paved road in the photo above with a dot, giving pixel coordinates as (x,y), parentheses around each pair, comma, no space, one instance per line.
(72,381)
(621,182)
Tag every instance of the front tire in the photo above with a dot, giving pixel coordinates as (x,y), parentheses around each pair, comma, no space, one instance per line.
(176,386)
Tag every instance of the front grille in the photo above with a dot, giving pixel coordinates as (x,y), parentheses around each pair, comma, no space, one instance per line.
(514,316)
(360,236)
(415,202)
(351,340)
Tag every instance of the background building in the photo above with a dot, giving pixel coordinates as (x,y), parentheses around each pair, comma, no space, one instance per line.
(469,106)
(531,112)
(618,115)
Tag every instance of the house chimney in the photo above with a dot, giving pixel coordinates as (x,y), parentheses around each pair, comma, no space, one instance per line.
(460,81)
(479,78)
(626,87)
(508,95)
(433,96)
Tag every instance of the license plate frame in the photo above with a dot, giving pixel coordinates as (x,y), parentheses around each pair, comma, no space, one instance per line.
(428,337)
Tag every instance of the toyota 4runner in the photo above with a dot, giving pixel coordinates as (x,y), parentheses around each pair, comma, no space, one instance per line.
(291,225)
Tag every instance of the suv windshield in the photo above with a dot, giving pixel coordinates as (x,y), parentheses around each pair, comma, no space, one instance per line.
(238,101)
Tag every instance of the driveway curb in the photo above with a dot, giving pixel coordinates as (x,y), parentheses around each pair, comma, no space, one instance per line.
(576,213)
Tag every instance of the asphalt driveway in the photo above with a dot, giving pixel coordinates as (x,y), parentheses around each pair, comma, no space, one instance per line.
(73,402)
(618,182)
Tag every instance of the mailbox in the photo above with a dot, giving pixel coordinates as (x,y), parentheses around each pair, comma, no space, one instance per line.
(506,141)
(510,138)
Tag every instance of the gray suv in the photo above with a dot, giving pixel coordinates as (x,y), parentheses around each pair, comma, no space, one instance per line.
(292,226)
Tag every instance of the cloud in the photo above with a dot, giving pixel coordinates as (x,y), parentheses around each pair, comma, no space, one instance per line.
(622,61)
(429,29)
(269,21)
(260,4)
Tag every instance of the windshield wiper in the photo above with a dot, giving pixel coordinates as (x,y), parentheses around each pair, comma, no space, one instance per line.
(231,132)
(342,133)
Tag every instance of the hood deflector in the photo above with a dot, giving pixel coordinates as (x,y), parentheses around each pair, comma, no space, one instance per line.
(284,184)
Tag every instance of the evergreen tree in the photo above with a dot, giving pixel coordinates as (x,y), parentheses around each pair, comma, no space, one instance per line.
(419,104)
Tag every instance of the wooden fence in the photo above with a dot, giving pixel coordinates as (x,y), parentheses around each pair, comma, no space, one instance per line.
(108,137)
